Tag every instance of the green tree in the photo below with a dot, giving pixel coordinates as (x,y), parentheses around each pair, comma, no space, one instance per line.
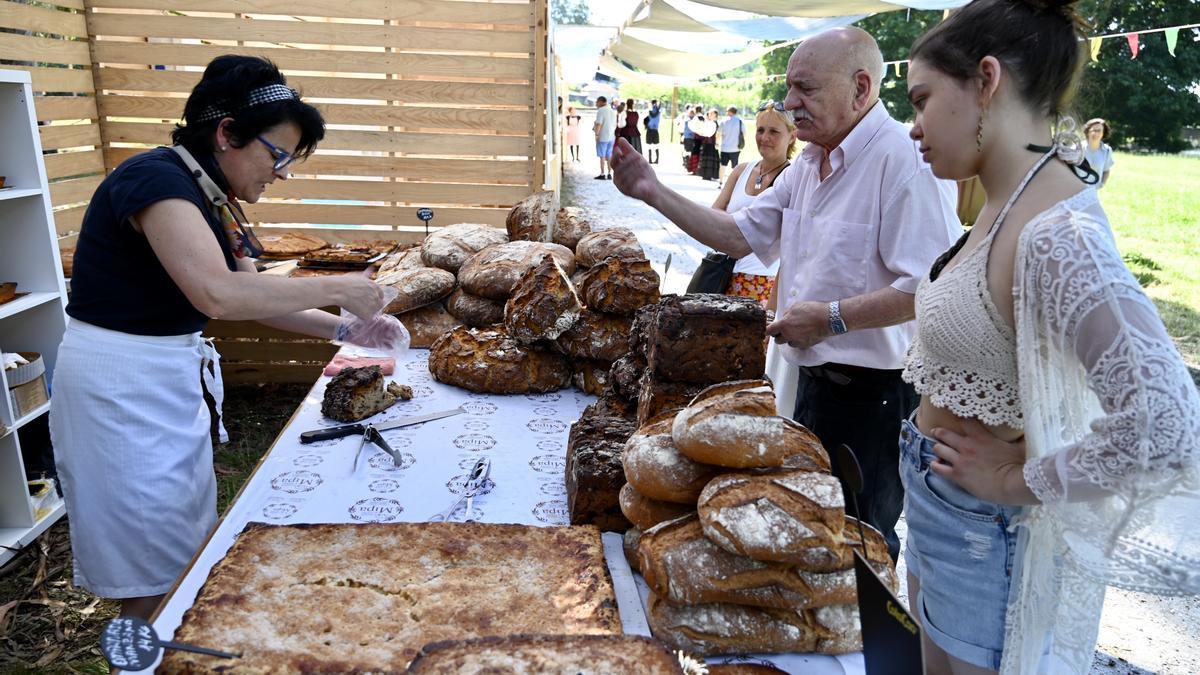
(569,12)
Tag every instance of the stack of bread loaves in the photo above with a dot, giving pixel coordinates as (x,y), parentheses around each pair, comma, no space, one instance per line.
(740,530)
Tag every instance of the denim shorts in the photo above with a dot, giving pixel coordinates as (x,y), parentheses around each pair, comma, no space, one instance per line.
(604,149)
(961,550)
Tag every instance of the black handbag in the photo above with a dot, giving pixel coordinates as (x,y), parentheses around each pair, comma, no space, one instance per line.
(713,274)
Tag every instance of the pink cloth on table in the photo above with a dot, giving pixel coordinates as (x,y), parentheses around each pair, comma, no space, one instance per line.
(340,363)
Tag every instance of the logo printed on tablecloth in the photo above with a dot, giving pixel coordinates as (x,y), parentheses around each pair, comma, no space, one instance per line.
(549,464)
(279,511)
(549,446)
(546,411)
(474,442)
(376,510)
(553,489)
(545,425)
(417,366)
(308,460)
(476,425)
(422,391)
(383,461)
(402,409)
(554,512)
(294,482)
(480,408)
(548,397)
(459,483)
(384,485)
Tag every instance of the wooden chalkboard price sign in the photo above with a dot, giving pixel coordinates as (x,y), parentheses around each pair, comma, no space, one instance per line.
(131,644)
(891,637)
(425,215)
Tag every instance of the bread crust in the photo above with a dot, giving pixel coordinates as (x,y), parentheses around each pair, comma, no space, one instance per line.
(533,218)
(426,324)
(657,470)
(416,287)
(584,654)
(591,376)
(283,245)
(595,336)
(625,373)
(572,226)
(543,304)
(645,513)
(593,473)
(494,271)
(619,286)
(705,338)
(450,247)
(488,360)
(473,310)
(614,241)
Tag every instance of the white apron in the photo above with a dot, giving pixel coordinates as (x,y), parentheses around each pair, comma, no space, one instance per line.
(130,430)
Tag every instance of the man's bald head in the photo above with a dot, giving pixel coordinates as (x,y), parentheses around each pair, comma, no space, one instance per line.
(847,49)
(833,81)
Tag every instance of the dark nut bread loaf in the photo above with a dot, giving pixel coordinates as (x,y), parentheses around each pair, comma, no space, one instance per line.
(488,360)
(776,516)
(546,654)
(611,405)
(724,628)
(571,227)
(543,303)
(591,376)
(626,374)
(640,331)
(600,244)
(654,467)
(657,396)
(358,393)
(733,424)
(707,338)
(427,324)
(683,566)
(533,218)
(473,310)
(629,544)
(619,286)
(594,476)
(595,336)
(644,512)
(449,247)
(494,271)
(416,287)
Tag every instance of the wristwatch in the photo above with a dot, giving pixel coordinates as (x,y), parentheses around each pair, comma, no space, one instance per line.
(836,324)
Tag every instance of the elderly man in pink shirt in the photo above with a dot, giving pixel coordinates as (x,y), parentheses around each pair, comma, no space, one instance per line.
(855,224)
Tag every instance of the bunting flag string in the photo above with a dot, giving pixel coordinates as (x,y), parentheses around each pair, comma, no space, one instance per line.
(1132,38)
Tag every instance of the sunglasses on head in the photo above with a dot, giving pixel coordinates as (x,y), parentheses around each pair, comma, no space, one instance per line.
(772,104)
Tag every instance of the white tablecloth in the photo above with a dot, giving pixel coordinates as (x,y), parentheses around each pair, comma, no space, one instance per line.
(524,435)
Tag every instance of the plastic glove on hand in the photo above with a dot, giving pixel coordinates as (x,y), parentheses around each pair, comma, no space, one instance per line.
(382,331)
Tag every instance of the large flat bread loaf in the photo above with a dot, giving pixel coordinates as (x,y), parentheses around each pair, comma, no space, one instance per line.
(657,470)
(602,337)
(543,304)
(734,425)
(473,310)
(620,242)
(449,247)
(683,566)
(724,628)
(488,360)
(277,245)
(521,654)
(779,516)
(494,271)
(533,217)
(619,286)
(367,597)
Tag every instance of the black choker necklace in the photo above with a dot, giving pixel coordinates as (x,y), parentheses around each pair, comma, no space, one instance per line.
(761,173)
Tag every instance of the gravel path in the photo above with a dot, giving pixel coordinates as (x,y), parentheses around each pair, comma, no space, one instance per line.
(1138,633)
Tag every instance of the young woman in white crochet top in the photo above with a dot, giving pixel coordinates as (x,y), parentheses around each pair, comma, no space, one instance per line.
(1056,449)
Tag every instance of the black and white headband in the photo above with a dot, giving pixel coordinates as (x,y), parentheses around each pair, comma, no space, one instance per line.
(267,94)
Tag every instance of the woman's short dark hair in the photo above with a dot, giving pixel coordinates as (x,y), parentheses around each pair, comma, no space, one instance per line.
(226,86)
(1039,41)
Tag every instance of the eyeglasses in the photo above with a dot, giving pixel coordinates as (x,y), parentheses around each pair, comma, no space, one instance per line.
(772,104)
(282,157)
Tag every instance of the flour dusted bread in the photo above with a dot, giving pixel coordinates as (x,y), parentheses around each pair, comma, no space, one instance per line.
(488,360)
(473,310)
(645,513)
(615,241)
(777,516)
(595,336)
(533,218)
(734,425)
(358,393)
(619,285)
(415,287)
(543,304)
(575,654)
(494,271)
(367,597)
(656,469)
(591,376)
(426,324)
(724,628)
(449,247)
(571,227)
(706,337)
(408,259)
(683,566)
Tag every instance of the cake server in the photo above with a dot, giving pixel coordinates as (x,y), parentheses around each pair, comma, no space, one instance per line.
(351,429)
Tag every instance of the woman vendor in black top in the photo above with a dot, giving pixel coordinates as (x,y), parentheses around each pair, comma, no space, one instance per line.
(159,254)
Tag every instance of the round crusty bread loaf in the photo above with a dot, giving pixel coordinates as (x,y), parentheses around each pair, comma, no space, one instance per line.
(532,219)
(656,469)
(629,544)
(408,259)
(600,244)
(619,286)
(416,287)
(426,324)
(449,247)
(733,424)
(473,310)
(603,337)
(591,376)
(571,227)
(543,303)
(489,361)
(494,271)
(775,516)
(645,513)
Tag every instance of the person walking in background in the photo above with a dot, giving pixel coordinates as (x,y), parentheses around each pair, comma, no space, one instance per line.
(605,129)
(1099,156)
(689,140)
(627,125)
(653,117)
(573,120)
(710,159)
(855,223)
(733,139)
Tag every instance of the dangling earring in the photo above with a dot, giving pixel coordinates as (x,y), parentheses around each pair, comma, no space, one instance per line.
(979,131)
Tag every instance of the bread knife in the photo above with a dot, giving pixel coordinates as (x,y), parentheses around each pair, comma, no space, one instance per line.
(351,429)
